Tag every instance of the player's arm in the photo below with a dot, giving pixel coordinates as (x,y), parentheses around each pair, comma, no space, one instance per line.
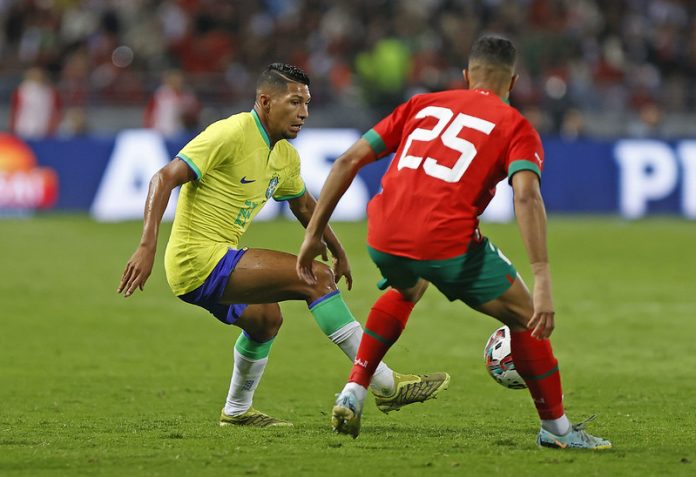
(340,177)
(139,267)
(531,219)
(303,207)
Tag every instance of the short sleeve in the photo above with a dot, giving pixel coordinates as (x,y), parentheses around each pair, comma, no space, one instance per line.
(291,185)
(385,136)
(526,151)
(209,148)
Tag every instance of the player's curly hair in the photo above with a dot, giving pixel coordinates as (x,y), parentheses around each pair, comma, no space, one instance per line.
(494,50)
(277,75)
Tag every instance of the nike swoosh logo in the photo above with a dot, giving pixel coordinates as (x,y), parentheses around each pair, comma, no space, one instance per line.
(245,181)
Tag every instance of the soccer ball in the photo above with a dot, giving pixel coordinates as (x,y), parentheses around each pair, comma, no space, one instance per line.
(498,357)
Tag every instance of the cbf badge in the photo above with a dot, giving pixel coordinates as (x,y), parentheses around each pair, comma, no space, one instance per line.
(272,186)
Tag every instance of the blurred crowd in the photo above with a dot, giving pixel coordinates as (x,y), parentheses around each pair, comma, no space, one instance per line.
(175,56)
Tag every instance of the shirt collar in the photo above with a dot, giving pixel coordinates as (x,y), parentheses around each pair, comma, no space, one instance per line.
(261,129)
(504,100)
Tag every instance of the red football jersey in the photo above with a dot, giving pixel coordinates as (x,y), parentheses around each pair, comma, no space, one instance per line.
(452,149)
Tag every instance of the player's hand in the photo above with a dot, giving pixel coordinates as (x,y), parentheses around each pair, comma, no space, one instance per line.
(341,268)
(311,248)
(543,321)
(137,271)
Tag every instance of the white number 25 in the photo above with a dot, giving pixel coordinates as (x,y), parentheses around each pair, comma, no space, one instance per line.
(449,138)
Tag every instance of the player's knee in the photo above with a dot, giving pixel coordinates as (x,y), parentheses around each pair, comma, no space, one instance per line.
(515,326)
(326,282)
(518,317)
(263,322)
(516,306)
(415,293)
(273,321)
(273,326)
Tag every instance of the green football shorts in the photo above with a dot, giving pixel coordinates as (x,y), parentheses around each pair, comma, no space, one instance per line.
(482,274)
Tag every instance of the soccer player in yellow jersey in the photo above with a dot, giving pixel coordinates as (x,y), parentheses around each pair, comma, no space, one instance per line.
(227,174)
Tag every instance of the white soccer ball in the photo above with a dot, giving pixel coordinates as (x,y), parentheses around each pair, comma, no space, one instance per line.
(498,358)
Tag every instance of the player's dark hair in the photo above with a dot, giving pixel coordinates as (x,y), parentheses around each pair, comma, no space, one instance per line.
(278,75)
(494,50)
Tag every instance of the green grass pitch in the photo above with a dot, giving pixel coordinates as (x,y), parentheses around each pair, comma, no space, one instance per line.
(95,384)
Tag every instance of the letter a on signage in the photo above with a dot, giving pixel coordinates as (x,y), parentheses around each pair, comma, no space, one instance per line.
(137,155)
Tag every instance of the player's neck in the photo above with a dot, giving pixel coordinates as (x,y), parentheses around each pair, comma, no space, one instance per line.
(502,93)
(264,124)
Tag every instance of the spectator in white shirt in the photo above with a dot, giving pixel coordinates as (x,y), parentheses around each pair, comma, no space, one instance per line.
(35,107)
(173,109)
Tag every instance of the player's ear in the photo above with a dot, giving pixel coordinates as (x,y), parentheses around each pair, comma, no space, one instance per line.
(513,81)
(264,101)
(465,72)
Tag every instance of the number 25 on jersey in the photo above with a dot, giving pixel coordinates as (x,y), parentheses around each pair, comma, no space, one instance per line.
(448,132)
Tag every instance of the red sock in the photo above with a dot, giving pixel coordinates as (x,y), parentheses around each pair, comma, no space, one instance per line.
(385,323)
(538,367)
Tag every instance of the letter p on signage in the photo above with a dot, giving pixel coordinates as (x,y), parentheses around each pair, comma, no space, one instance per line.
(647,171)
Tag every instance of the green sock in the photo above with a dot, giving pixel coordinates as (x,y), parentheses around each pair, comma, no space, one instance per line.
(252,349)
(331,313)
(250,358)
(338,324)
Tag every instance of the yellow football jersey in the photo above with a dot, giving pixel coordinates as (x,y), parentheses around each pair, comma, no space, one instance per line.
(237,172)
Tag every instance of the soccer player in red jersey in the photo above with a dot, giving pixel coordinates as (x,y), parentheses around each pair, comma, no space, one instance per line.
(451,149)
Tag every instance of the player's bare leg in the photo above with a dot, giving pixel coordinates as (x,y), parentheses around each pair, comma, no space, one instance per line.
(264,276)
(268,276)
(261,321)
(514,308)
(535,362)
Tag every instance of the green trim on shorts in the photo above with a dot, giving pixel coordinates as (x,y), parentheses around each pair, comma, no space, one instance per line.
(476,277)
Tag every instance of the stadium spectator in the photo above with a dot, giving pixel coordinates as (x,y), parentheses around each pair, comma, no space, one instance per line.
(74,123)
(383,72)
(573,125)
(174,108)
(35,106)
(648,123)
(608,54)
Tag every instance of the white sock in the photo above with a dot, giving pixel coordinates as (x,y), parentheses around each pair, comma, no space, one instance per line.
(559,426)
(348,339)
(359,391)
(245,378)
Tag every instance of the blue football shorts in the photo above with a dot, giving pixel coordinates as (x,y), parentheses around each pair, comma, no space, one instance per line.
(208,295)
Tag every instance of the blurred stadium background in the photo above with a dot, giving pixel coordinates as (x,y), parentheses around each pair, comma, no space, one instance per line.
(100,93)
(588,67)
